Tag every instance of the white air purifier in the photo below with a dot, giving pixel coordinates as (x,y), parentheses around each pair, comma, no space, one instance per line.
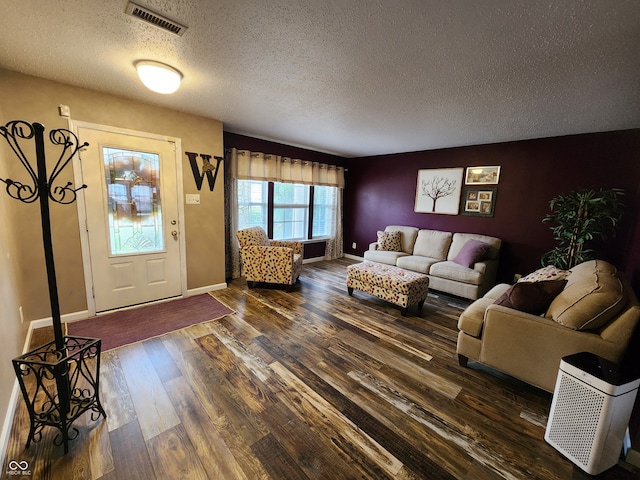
(590,411)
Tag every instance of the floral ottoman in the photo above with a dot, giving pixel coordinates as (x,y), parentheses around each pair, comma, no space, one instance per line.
(393,284)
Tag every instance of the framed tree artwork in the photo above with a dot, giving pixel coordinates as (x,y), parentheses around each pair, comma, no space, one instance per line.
(478,201)
(438,190)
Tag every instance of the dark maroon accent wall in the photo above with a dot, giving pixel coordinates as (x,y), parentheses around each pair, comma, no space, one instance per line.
(381,191)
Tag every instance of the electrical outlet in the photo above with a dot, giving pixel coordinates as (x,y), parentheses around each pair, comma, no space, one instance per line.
(353,245)
(21,314)
(64,110)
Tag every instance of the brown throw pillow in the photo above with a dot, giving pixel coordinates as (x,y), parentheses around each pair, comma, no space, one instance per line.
(390,241)
(531,297)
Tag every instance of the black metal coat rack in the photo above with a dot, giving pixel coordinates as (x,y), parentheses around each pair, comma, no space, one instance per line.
(59,380)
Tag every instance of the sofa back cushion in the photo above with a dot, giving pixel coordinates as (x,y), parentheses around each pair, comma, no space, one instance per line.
(594,295)
(590,266)
(459,239)
(409,235)
(432,244)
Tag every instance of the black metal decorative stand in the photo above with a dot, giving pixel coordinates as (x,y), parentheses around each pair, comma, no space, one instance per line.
(59,380)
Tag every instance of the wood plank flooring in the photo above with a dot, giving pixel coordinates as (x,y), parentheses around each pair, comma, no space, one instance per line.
(308,384)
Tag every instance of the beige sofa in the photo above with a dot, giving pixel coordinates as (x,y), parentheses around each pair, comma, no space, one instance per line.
(596,311)
(432,252)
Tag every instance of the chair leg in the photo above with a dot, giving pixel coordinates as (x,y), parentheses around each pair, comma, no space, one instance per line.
(350,291)
(462,360)
(251,284)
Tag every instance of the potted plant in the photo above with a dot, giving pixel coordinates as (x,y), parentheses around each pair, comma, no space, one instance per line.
(579,217)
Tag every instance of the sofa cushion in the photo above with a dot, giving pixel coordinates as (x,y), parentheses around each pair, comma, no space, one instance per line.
(416,263)
(546,273)
(531,297)
(471,252)
(459,239)
(432,244)
(390,241)
(382,256)
(409,235)
(589,301)
(455,272)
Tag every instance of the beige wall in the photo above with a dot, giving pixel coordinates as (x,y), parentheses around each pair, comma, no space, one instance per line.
(36,100)
(13,332)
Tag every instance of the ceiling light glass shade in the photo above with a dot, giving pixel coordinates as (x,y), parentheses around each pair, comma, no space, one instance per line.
(158,77)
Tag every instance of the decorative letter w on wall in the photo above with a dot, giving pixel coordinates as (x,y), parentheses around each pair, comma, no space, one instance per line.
(208,169)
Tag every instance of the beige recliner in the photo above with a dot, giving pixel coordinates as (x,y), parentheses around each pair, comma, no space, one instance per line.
(597,311)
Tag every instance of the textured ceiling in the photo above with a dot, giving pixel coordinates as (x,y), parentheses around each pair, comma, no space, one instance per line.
(354,77)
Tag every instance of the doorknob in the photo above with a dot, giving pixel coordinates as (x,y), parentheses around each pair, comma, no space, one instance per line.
(173,222)
(174,233)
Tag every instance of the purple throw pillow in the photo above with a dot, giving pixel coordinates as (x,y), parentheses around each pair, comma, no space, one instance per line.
(471,252)
(531,297)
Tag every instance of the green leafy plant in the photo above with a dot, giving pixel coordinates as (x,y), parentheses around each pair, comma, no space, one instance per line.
(578,218)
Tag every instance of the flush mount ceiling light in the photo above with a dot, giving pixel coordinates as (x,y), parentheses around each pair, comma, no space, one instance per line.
(158,77)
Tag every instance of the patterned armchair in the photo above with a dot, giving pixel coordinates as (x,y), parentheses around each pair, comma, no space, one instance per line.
(269,261)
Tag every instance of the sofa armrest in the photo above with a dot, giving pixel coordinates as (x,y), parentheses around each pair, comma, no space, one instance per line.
(297,247)
(530,347)
(373,246)
(259,255)
(480,267)
(489,271)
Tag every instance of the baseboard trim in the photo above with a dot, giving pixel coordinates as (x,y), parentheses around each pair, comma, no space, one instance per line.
(313,260)
(8,423)
(13,403)
(210,288)
(354,257)
(67,317)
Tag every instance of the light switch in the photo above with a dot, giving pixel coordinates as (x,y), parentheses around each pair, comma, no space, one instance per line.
(193,198)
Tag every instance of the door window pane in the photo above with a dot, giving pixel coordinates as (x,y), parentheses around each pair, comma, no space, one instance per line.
(133,201)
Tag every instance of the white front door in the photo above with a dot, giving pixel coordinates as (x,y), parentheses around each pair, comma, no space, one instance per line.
(132,217)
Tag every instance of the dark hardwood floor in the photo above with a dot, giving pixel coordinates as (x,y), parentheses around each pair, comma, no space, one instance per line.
(308,384)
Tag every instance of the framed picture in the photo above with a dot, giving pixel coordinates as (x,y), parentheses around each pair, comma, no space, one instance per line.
(482,175)
(438,190)
(478,201)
